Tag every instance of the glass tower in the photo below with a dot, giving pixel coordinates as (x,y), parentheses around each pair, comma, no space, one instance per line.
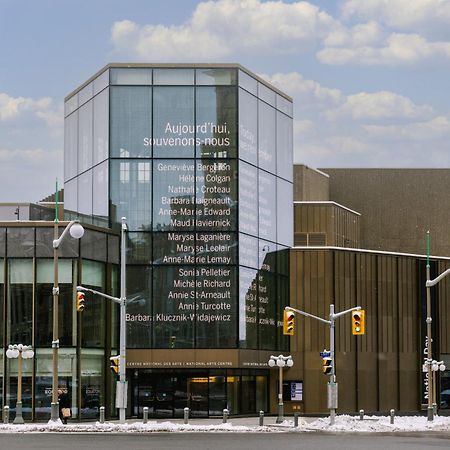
(198,158)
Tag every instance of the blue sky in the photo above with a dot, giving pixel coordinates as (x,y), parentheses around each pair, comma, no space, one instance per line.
(369,77)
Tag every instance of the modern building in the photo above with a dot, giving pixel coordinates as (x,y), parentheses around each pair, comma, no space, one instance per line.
(85,340)
(198,158)
(223,233)
(370,252)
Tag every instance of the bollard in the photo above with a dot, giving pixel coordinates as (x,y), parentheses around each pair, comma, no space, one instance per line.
(392,416)
(6,414)
(145,414)
(296,419)
(361,414)
(261,418)
(186,415)
(225,415)
(102,414)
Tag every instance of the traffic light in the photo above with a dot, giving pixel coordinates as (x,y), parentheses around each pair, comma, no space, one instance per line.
(327,363)
(358,322)
(80,301)
(288,323)
(115,363)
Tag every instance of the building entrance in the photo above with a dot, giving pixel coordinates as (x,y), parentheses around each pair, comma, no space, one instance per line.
(205,392)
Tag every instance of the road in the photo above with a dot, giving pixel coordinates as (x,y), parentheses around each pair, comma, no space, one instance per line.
(224,441)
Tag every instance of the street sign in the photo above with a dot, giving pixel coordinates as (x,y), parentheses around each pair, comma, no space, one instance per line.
(325,354)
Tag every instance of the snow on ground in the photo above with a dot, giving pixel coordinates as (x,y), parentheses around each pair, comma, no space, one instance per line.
(343,423)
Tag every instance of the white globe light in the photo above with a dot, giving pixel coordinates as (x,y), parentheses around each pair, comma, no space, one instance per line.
(442,367)
(280,363)
(290,362)
(27,354)
(271,363)
(13,353)
(76,231)
(21,347)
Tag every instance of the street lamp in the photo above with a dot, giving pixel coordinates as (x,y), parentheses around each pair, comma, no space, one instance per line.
(280,361)
(76,231)
(20,352)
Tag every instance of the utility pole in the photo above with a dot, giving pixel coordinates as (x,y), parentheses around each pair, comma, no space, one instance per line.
(332,388)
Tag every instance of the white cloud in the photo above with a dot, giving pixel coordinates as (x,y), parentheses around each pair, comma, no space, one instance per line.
(380,105)
(11,107)
(305,92)
(434,129)
(396,49)
(399,13)
(216,29)
(359,35)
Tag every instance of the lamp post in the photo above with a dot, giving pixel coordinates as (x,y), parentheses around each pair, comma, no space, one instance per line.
(280,361)
(20,352)
(76,231)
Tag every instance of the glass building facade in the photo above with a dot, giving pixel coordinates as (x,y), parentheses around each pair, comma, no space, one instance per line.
(26,308)
(199,160)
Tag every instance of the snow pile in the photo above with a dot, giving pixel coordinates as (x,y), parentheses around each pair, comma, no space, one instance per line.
(379,424)
(343,423)
(136,427)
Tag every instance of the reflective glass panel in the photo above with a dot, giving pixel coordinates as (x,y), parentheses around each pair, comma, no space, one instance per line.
(284,147)
(131,193)
(248,199)
(267,206)
(284,105)
(85,193)
(215,248)
(139,314)
(248,251)
(173,122)
(248,83)
(71,146)
(266,94)
(173,306)
(86,93)
(173,76)
(216,187)
(131,119)
(173,248)
(85,126)
(285,214)
(248,127)
(2,241)
(216,122)
(266,137)
(248,308)
(100,192)
(101,82)
(131,76)
(216,325)
(71,105)
(93,245)
(20,301)
(267,310)
(93,329)
(92,382)
(215,76)
(173,191)
(101,126)
(71,195)
(139,248)
(20,242)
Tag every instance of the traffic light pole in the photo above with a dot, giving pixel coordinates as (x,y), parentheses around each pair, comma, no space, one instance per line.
(121,392)
(332,388)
